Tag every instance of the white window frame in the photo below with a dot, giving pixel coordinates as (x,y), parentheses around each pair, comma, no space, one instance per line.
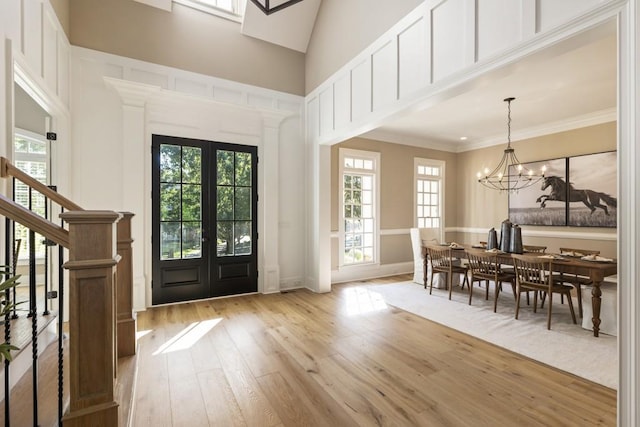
(417,161)
(30,157)
(233,15)
(375,171)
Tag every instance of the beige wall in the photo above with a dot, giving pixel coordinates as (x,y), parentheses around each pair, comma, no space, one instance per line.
(344,28)
(186,39)
(478,207)
(396,192)
(61,7)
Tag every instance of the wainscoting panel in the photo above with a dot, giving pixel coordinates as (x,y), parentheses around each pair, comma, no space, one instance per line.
(449,33)
(342,101)
(32,34)
(361,89)
(497,30)
(552,12)
(413,69)
(384,75)
(326,111)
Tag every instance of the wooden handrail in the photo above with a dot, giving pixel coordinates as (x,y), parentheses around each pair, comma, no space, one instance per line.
(32,221)
(8,169)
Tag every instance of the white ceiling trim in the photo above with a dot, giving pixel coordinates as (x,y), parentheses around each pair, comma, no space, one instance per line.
(590,119)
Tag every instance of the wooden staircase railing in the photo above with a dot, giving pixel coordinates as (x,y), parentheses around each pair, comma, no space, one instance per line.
(101,320)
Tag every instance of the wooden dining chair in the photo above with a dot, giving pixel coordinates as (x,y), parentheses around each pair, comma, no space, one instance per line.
(535,249)
(533,274)
(484,266)
(442,261)
(575,280)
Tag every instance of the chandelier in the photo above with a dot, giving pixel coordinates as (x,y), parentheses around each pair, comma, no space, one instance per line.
(264,5)
(510,175)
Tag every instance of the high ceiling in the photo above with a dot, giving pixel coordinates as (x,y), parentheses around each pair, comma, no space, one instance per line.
(569,85)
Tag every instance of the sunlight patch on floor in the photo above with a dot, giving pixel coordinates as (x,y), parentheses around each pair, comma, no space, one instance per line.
(140,334)
(361,300)
(188,336)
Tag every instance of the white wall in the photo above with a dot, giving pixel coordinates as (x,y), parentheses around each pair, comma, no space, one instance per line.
(118,103)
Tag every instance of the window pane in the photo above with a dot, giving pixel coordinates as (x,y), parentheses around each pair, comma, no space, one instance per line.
(368,240)
(347,196)
(21,145)
(243,204)
(357,197)
(191,165)
(191,240)
(436,222)
(367,197)
(348,162)
(368,164)
(368,225)
(191,210)
(367,182)
(421,222)
(225,167)
(242,238)
(357,182)
(434,199)
(358,164)
(224,238)
(170,202)
(225,203)
(347,211)
(169,240)
(347,181)
(243,169)
(367,211)
(170,163)
(367,254)
(420,211)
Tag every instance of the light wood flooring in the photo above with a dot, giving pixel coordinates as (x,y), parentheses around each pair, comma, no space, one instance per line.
(341,359)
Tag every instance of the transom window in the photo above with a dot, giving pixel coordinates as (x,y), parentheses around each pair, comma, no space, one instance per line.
(359,225)
(428,193)
(230,9)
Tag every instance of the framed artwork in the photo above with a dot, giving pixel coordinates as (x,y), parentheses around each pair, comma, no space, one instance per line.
(535,205)
(579,191)
(593,191)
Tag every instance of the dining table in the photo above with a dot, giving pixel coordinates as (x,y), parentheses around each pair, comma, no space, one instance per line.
(597,270)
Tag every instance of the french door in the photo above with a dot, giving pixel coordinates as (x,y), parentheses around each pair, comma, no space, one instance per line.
(204,237)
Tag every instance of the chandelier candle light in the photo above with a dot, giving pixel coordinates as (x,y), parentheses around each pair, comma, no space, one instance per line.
(510,175)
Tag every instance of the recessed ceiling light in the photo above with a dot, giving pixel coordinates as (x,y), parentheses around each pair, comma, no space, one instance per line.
(463,138)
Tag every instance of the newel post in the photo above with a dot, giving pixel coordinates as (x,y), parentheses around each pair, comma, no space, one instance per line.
(126,332)
(92,276)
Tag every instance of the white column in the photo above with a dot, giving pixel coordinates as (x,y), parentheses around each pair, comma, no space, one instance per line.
(269,203)
(628,218)
(136,169)
(319,218)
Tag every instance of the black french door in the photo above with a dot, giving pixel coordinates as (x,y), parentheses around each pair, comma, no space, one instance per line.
(204,237)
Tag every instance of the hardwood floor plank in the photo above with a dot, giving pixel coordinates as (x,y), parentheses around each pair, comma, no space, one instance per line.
(222,407)
(343,358)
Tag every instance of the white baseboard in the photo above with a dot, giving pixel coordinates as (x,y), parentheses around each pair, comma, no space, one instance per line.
(370,272)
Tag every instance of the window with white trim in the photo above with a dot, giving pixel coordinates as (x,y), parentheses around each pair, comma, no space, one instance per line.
(229,9)
(30,155)
(428,193)
(359,209)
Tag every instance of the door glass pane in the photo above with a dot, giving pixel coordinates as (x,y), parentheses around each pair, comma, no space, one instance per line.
(191,164)
(180,202)
(224,242)
(243,204)
(191,202)
(169,240)
(243,169)
(170,163)
(225,167)
(169,202)
(191,240)
(242,238)
(225,203)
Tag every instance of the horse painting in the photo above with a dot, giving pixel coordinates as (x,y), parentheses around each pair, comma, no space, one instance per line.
(590,198)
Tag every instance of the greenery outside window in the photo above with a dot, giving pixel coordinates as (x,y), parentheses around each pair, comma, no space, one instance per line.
(359,208)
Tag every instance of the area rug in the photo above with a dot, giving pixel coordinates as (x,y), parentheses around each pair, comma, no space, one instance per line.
(566,346)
